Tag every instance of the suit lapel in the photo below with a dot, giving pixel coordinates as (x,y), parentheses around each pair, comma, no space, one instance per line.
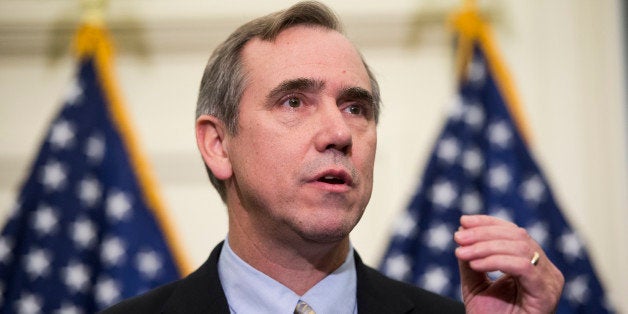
(201,291)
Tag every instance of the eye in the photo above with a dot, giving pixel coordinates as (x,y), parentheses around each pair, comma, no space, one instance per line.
(355,109)
(293,102)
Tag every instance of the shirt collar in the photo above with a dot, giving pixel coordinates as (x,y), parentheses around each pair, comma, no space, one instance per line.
(251,291)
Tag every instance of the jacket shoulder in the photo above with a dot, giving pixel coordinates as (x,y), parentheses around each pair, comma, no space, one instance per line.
(380,294)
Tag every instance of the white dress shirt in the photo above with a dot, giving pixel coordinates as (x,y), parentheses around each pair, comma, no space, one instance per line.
(251,291)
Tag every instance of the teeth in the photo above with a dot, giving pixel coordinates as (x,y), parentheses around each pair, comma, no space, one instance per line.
(329,177)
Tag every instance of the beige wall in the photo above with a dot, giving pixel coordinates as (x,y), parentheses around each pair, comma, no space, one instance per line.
(564,55)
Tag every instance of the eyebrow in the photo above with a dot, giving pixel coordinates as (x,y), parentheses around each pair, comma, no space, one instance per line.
(298,84)
(304,84)
(358,93)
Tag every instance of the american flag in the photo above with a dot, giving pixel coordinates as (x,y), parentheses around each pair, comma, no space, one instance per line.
(81,235)
(481,165)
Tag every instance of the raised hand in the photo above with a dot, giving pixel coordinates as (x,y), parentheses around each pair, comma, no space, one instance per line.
(530,284)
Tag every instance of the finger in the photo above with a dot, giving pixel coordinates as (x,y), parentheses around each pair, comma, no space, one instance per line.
(539,285)
(517,266)
(471,221)
(467,236)
(495,247)
(471,280)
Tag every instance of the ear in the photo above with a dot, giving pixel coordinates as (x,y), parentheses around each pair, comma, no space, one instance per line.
(211,140)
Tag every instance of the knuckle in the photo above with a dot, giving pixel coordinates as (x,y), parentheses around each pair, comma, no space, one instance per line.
(522,248)
(525,264)
(521,233)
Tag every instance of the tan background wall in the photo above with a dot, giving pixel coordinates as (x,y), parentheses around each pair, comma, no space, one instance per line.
(565,57)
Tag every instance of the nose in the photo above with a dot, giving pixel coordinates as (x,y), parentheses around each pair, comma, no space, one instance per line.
(333,132)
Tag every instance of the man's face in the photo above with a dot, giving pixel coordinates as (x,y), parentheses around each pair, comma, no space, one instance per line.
(303,155)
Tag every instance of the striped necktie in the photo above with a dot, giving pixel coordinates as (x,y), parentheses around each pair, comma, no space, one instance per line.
(303,308)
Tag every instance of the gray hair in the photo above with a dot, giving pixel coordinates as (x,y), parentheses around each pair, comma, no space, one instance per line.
(223,84)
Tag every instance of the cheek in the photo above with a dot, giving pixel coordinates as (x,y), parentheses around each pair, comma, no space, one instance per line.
(266,154)
(367,150)
(363,159)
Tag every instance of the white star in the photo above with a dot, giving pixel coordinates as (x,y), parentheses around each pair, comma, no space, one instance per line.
(28,303)
(61,135)
(443,194)
(118,205)
(448,149)
(456,108)
(539,232)
(501,213)
(404,225)
(95,148)
(533,189)
(37,263)
(112,251)
(74,93)
(148,263)
(398,266)
(499,134)
(570,245)
(6,247)
(54,175)
(83,232)
(476,71)
(439,237)
(45,220)
(499,178)
(68,308)
(89,191)
(474,116)
(577,290)
(472,161)
(76,277)
(471,203)
(436,279)
(107,291)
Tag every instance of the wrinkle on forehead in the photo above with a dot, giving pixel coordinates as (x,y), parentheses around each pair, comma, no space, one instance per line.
(298,43)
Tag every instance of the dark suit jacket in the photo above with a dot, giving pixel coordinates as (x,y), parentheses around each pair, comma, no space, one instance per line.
(201,292)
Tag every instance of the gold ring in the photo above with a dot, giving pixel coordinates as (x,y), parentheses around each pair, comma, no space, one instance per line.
(535,258)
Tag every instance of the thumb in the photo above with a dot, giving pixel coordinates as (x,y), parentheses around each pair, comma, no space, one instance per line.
(471,281)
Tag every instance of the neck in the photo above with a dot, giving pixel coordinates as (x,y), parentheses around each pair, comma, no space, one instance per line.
(296,263)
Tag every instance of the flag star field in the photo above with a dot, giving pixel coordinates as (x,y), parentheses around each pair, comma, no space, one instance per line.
(481,165)
(81,236)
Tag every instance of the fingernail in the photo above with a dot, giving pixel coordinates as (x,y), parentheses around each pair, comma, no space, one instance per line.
(458,235)
(462,250)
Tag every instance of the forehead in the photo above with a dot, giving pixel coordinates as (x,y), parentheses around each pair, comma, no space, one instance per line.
(304,52)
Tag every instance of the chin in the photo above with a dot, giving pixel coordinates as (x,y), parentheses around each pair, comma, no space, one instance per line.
(328,232)
(324,237)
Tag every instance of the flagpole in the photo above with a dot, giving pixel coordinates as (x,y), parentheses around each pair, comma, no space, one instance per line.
(469,25)
(93,39)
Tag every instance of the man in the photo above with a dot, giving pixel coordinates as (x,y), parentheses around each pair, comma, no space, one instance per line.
(286,125)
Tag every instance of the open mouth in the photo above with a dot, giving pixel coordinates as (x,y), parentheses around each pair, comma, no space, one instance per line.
(331,180)
(335,177)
